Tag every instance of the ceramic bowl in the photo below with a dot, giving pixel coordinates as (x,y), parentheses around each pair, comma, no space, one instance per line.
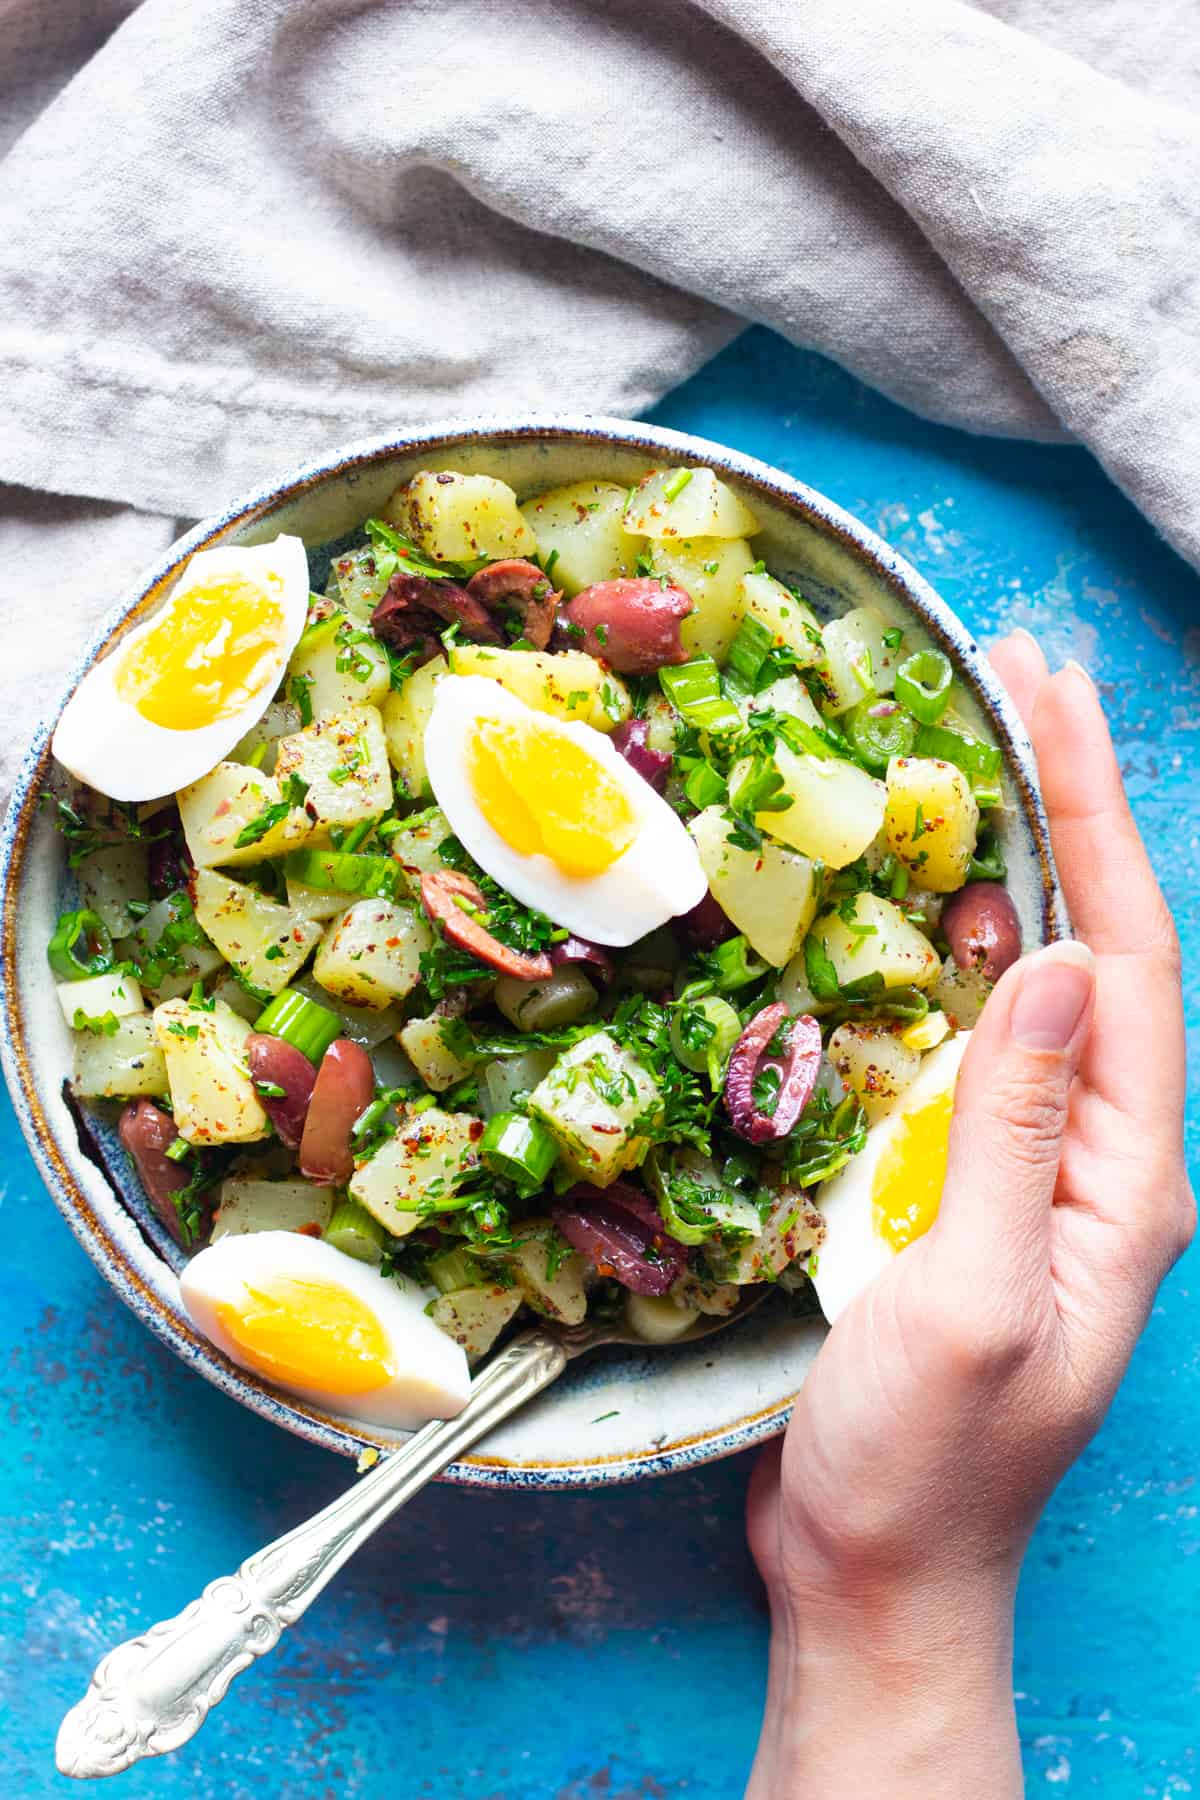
(617,1415)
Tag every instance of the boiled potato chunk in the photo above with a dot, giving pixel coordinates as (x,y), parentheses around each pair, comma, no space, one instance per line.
(247,1205)
(771,894)
(874,937)
(264,941)
(932,820)
(875,1063)
(787,695)
(430,1157)
(216,809)
(858,664)
(337,671)
(457,518)
(836,808)
(474,1317)
(261,742)
(555,1291)
(418,847)
(109,879)
(123,1066)
(371,955)
(567,685)
(405,716)
(687,503)
(212,1096)
(360,580)
(710,569)
(99,995)
(343,758)
(424,1043)
(658,1320)
(581,534)
(791,622)
(591,1101)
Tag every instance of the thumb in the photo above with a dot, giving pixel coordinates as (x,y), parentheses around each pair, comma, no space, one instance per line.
(1010,1113)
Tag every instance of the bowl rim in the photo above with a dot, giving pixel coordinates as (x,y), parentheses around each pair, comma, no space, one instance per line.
(97,1235)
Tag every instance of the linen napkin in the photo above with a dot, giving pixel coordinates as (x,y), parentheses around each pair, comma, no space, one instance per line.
(236,232)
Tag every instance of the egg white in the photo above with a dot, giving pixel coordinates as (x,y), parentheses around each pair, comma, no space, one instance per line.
(853,1253)
(108,744)
(658,877)
(430,1378)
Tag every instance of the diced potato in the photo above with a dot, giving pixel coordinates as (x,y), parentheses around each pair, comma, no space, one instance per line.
(98,995)
(836,810)
(552,1283)
(109,879)
(417,848)
(932,820)
(365,1025)
(876,938)
(405,716)
(961,994)
(343,757)
(429,1157)
(306,902)
(510,1077)
(662,724)
(567,685)
(199,960)
(858,664)
(581,528)
(658,1319)
(359,580)
(565,997)
(456,518)
(371,955)
(265,941)
(122,1066)
(771,894)
(338,671)
(236,997)
(687,503)
(424,1042)
(875,1063)
(792,1229)
(248,1205)
(217,808)
(474,1317)
(260,743)
(212,1096)
(791,622)
(710,570)
(591,1101)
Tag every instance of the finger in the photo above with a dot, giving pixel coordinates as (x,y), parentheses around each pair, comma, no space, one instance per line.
(762,1511)
(1018,661)
(1010,1113)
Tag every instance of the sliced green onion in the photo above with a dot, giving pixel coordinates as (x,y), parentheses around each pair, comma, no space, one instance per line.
(974,756)
(357,834)
(734,965)
(704,787)
(877,730)
(987,797)
(454,1270)
(747,654)
(923,685)
(354,1232)
(519,1149)
(694,690)
(677,484)
(300,1022)
(340,872)
(722,1029)
(81,945)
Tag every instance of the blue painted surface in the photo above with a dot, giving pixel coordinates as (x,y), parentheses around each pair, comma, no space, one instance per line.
(576,1647)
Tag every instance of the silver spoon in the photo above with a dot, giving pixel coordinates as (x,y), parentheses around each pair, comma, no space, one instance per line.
(152,1693)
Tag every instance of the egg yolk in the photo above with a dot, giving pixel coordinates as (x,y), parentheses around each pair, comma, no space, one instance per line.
(308,1334)
(205,656)
(545,795)
(907,1189)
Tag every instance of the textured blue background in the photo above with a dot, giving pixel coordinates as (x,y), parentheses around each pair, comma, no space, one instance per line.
(601,1647)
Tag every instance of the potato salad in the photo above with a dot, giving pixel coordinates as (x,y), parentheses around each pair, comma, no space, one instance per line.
(552,915)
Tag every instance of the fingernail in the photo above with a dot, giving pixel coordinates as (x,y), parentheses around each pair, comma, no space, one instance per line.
(1020,631)
(1080,670)
(1056,986)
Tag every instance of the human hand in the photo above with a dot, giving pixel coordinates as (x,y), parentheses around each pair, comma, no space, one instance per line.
(954,1392)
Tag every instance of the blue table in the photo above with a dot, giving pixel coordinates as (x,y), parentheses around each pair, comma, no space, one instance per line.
(579,1647)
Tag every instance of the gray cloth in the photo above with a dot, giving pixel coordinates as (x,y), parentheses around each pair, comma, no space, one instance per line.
(245,230)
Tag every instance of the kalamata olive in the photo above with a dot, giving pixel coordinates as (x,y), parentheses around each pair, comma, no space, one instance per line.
(344,1088)
(619,1230)
(632,624)
(521,588)
(416,609)
(981,926)
(630,741)
(147,1133)
(588,955)
(168,861)
(276,1064)
(441,891)
(706,925)
(788,1051)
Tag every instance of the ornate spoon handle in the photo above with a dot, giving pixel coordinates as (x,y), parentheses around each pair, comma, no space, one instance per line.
(154,1692)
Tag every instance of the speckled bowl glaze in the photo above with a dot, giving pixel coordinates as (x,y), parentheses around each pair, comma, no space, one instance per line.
(618,1415)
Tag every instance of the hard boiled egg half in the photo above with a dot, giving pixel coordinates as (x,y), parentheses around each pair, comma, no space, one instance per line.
(556,816)
(175,695)
(889,1195)
(331,1330)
